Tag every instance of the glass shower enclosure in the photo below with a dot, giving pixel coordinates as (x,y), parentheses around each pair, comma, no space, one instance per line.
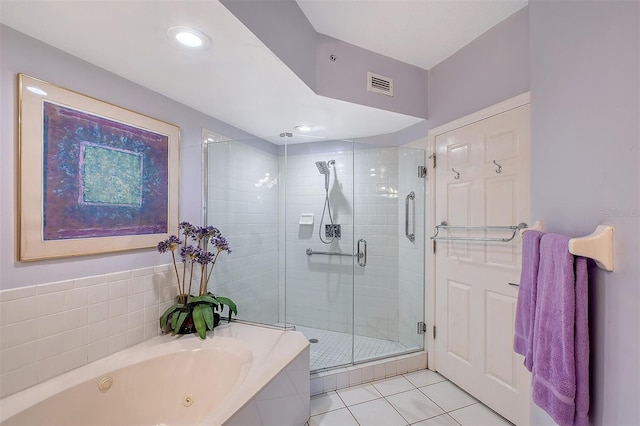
(327,237)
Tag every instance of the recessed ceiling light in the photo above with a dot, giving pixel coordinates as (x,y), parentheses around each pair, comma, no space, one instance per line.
(36,90)
(303,128)
(189,37)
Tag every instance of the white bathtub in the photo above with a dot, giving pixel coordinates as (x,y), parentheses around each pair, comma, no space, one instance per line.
(240,375)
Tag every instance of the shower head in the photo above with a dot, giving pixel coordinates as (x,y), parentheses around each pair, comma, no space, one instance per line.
(323,168)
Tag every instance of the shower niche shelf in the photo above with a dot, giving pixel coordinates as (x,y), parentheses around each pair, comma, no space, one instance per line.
(306,219)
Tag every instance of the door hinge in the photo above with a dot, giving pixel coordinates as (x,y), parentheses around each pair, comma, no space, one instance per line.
(434,331)
(434,246)
(422,172)
(433,158)
(422,327)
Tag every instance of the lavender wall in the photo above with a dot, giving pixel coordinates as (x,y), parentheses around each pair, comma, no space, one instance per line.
(346,78)
(585,91)
(22,54)
(492,68)
(582,62)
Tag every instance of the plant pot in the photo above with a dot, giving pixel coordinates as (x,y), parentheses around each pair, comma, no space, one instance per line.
(188,327)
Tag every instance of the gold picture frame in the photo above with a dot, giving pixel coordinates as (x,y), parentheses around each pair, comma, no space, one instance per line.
(93,177)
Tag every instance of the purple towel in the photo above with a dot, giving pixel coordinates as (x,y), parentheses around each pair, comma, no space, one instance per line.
(526,308)
(560,334)
(582,343)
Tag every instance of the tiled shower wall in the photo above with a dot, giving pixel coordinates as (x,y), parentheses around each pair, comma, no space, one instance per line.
(243,204)
(257,198)
(51,328)
(376,285)
(319,288)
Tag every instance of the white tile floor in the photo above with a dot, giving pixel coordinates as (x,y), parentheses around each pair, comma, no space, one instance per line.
(334,348)
(421,398)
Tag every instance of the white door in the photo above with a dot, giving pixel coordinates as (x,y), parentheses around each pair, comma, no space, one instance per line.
(475,304)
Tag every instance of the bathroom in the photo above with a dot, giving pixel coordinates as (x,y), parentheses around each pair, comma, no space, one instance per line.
(591,82)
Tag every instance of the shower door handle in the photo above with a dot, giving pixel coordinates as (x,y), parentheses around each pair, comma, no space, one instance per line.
(362,252)
(411,196)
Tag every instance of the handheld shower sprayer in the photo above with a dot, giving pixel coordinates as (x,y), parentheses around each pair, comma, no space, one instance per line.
(323,168)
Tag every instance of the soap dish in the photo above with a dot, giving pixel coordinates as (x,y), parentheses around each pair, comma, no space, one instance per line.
(306,219)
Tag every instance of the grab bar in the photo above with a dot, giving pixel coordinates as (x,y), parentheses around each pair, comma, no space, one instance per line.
(310,252)
(361,255)
(513,228)
(412,236)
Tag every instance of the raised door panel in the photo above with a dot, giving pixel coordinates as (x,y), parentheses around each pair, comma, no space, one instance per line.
(501,197)
(458,321)
(459,200)
(499,360)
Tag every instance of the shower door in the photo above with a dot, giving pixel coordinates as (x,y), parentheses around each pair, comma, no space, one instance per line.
(319,247)
(327,237)
(389,201)
(354,249)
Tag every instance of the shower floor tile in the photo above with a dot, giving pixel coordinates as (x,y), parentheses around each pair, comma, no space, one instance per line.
(334,348)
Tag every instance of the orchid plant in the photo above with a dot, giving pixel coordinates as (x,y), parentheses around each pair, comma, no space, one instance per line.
(198,248)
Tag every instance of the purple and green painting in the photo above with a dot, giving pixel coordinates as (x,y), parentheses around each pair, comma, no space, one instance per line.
(102,178)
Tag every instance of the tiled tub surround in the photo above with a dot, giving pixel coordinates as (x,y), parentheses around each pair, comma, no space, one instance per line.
(50,328)
(244,375)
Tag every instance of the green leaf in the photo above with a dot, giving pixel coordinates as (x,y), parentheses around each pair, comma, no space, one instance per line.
(174,320)
(201,299)
(168,312)
(208,316)
(226,301)
(232,306)
(183,315)
(198,320)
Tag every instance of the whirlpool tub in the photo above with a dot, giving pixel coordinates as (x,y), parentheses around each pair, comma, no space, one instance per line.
(240,375)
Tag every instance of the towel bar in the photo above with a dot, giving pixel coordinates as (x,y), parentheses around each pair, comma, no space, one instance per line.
(597,246)
(537,226)
(511,228)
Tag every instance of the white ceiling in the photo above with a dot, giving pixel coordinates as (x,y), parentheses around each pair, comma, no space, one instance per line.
(419,32)
(239,80)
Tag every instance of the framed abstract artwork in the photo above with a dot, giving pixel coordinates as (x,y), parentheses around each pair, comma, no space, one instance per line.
(93,177)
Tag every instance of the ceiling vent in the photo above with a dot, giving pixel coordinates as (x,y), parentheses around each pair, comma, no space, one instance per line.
(379,84)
